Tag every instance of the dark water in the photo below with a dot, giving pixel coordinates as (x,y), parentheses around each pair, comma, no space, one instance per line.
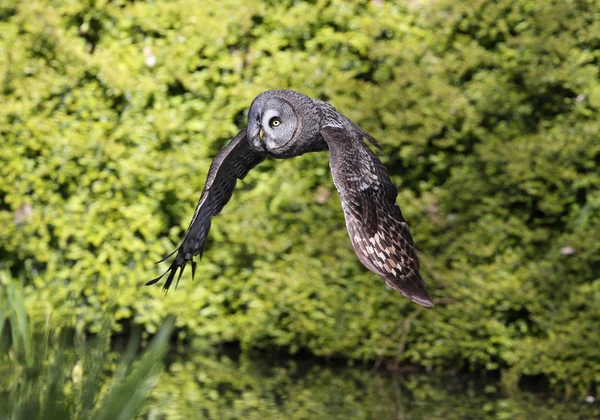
(260,387)
(92,379)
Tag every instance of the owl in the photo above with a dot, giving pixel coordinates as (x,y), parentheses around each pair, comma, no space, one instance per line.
(284,124)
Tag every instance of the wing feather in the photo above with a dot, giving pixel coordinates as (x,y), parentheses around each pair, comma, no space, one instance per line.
(378,232)
(233,162)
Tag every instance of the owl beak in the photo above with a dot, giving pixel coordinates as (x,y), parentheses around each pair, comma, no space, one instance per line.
(261,133)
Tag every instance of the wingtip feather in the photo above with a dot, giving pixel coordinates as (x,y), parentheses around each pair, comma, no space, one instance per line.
(412,289)
(167,257)
(172,271)
(419,296)
(155,280)
(426,303)
(180,273)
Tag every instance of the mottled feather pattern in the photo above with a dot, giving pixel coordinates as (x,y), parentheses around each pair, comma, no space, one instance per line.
(378,232)
(377,229)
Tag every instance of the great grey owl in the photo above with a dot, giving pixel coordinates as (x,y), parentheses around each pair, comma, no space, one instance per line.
(283,124)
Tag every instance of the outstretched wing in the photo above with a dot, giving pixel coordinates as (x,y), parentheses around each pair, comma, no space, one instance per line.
(379,234)
(233,162)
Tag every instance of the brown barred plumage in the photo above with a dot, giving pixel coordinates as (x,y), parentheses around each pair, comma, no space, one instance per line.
(284,124)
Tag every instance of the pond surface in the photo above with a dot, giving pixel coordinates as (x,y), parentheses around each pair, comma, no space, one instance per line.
(55,379)
(261,387)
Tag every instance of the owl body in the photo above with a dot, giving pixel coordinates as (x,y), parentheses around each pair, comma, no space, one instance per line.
(283,124)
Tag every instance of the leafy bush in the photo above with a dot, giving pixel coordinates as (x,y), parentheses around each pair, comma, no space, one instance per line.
(112,111)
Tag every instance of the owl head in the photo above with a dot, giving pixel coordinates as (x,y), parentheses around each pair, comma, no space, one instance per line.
(282,121)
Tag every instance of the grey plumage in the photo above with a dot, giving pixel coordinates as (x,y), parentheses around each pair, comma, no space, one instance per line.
(285,124)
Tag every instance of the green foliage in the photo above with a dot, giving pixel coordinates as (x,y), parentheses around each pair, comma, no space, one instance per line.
(43,377)
(112,111)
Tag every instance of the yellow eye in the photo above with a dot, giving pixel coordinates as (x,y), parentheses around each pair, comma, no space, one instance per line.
(274,122)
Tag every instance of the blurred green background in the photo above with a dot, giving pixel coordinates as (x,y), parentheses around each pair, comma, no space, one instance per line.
(488,111)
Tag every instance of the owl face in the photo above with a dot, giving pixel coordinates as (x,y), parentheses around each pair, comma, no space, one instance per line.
(272,124)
